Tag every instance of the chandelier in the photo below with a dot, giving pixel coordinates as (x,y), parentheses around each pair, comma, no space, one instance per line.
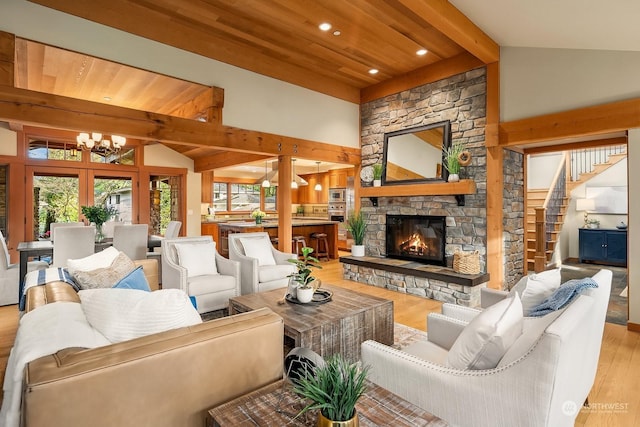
(96,143)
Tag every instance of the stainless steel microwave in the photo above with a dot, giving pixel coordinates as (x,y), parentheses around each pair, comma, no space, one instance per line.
(337,195)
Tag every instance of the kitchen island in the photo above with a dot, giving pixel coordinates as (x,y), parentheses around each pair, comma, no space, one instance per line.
(300,227)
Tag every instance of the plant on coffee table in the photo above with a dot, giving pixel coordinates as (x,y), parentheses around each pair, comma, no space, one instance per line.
(302,278)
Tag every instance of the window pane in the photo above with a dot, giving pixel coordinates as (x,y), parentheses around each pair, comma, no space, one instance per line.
(116,192)
(245,197)
(123,157)
(56,200)
(220,196)
(270,198)
(53,150)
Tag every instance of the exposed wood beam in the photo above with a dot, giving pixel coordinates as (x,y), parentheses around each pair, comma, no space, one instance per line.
(450,21)
(207,106)
(622,140)
(7,55)
(612,117)
(61,112)
(428,74)
(225,159)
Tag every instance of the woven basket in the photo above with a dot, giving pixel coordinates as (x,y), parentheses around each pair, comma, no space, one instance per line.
(466,262)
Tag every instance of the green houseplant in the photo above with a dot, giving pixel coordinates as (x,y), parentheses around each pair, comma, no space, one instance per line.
(334,389)
(99,215)
(302,279)
(452,160)
(357,226)
(377,174)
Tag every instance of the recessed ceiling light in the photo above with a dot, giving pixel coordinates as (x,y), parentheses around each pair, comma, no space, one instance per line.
(325,26)
(107,98)
(373,71)
(421,52)
(337,33)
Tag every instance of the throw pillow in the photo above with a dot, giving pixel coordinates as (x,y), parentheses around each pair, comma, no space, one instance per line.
(260,249)
(134,280)
(539,287)
(100,259)
(105,277)
(198,258)
(484,341)
(124,314)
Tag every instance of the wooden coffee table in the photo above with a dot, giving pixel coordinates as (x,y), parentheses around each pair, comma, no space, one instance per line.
(337,326)
(275,405)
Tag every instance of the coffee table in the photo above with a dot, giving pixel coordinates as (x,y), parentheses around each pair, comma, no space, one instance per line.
(275,405)
(337,326)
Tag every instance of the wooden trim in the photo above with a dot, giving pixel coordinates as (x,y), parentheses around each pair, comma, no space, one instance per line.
(450,21)
(428,74)
(7,58)
(208,106)
(74,114)
(622,140)
(612,117)
(634,327)
(229,158)
(465,186)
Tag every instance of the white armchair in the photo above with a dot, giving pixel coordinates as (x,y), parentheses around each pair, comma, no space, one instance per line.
(194,265)
(10,274)
(262,267)
(542,380)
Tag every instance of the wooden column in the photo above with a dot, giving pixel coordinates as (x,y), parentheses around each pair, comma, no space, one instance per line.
(7,55)
(540,259)
(284,203)
(495,181)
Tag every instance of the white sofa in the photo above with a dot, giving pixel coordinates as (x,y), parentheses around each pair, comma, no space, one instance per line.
(268,270)
(542,380)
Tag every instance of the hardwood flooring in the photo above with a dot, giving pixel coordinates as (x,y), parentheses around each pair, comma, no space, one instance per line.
(614,399)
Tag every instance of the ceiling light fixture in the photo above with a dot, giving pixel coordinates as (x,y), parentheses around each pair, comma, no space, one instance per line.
(107,98)
(325,26)
(421,52)
(266,183)
(97,144)
(337,33)
(373,71)
(294,184)
(318,186)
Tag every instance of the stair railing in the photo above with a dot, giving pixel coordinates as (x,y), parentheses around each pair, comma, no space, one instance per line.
(584,160)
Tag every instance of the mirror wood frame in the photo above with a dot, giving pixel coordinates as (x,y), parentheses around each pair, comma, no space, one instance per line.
(445,144)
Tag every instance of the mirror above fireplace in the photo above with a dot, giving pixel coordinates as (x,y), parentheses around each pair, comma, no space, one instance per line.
(415,154)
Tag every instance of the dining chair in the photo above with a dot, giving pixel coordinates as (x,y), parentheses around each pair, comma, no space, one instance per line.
(131,239)
(10,274)
(54,225)
(72,243)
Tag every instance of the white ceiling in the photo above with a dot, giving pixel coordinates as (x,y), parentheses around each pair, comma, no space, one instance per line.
(567,24)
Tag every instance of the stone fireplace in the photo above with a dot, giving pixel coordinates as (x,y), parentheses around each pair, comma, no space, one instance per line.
(419,238)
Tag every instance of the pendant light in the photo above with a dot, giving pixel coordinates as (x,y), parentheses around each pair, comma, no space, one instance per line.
(266,183)
(318,186)
(294,184)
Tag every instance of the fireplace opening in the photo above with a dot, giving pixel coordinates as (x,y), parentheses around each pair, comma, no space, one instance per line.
(419,238)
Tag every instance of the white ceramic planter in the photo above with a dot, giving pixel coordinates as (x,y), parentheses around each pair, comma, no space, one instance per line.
(453,177)
(305,295)
(357,250)
(377,182)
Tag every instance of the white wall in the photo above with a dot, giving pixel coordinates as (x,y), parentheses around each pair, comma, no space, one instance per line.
(8,142)
(252,101)
(634,225)
(159,155)
(541,170)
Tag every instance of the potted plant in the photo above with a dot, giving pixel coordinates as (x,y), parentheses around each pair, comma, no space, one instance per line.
(452,160)
(257,214)
(334,389)
(98,215)
(377,174)
(357,226)
(302,283)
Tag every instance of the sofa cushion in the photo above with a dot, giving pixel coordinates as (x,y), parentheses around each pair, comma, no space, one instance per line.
(260,249)
(134,280)
(268,273)
(105,277)
(539,287)
(124,314)
(207,284)
(100,259)
(485,340)
(198,258)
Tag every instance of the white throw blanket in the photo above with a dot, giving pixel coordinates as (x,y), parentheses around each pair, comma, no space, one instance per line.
(43,331)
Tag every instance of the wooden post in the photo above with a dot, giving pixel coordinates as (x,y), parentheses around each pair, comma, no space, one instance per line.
(540,259)
(284,203)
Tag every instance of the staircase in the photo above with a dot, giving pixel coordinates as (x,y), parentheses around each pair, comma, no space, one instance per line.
(551,204)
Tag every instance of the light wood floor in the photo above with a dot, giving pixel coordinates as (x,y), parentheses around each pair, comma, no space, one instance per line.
(615,398)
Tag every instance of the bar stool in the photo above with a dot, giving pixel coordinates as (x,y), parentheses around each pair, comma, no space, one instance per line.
(274,241)
(297,243)
(320,245)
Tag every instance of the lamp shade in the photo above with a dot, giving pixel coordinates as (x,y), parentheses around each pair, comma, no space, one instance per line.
(585,205)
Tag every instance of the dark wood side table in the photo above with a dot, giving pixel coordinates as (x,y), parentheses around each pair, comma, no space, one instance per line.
(275,405)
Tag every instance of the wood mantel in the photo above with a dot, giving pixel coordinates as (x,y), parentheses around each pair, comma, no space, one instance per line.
(464,186)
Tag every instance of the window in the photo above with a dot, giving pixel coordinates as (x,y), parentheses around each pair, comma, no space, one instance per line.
(122,157)
(220,196)
(270,198)
(53,150)
(245,197)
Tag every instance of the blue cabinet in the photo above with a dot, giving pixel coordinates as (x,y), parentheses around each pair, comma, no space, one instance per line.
(603,246)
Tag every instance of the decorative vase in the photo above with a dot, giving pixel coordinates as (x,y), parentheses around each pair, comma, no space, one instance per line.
(377,182)
(292,288)
(326,422)
(357,250)
(99,233)
(453,177)
(258,220)
(305,295)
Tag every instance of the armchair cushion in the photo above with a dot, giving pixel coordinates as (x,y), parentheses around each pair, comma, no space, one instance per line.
(538,287)
(105,277)
(274,272)
(259,249)
(202,284)
(124,314)
(102,259)
(198,258)
(485,340)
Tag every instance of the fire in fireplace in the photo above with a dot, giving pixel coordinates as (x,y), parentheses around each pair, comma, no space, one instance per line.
(416,238)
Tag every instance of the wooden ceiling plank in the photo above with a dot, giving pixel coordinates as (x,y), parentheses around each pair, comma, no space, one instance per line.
(598,119)
(443,16)
(439,70)
(72,114)
(7,55)
(226,159)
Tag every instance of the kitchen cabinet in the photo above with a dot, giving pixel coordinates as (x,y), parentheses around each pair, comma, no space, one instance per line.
(209,229)
(604,246)
(338,178)
(206,183)
(307,194)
